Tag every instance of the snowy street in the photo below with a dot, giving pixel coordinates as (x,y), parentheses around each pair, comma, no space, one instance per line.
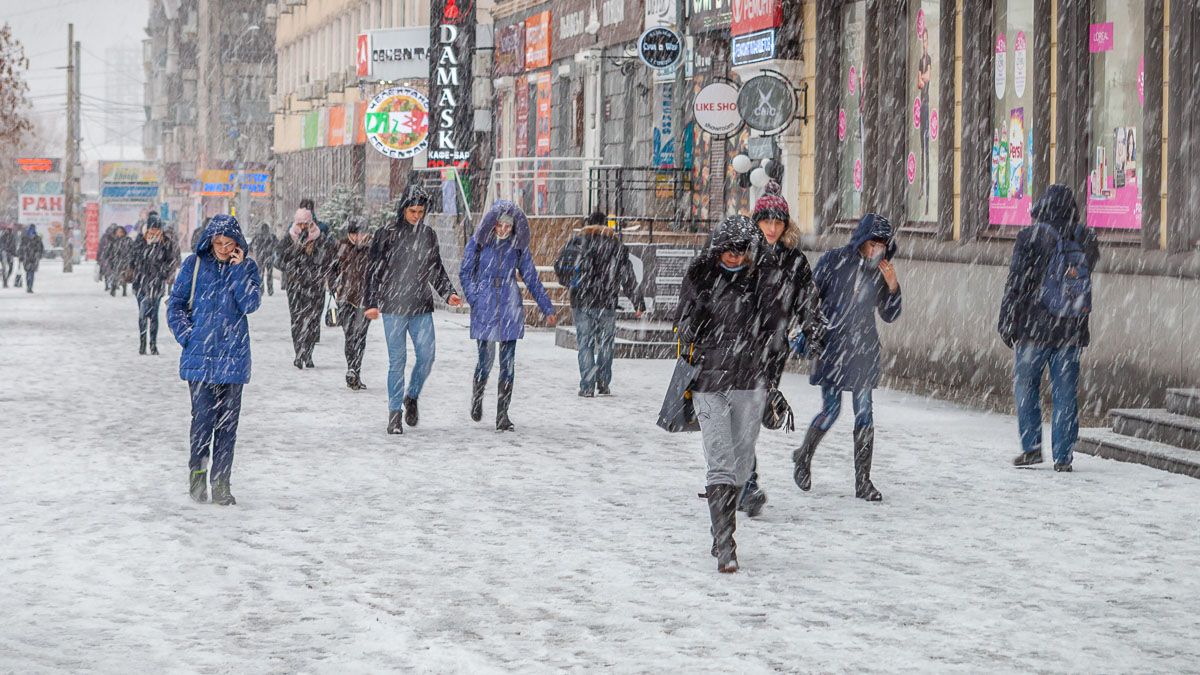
(576,543)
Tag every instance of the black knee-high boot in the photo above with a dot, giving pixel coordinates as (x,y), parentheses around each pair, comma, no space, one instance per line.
(864,450)
(722,509)
(802,458)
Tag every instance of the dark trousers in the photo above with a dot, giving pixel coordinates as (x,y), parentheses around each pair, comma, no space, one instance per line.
(487,356)
(29,279)
(215,412)
(306,321)
(6,267)
(355,325)
(148,317)
(596,330)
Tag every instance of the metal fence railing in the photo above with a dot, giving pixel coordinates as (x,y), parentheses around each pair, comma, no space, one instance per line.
(542,186)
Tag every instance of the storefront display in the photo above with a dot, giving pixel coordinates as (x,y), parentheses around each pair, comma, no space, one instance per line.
(1116,47)
(924,69)
(852,113)
(1013,133)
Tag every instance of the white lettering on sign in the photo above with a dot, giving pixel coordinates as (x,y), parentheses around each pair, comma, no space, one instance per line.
(571,25)
(614,12)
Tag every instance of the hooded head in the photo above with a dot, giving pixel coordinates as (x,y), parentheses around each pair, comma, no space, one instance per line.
(415,195)
(485,232)
(264,230)
(1056,206)
(220,225)
(153,221)
(31,231)
(875,227)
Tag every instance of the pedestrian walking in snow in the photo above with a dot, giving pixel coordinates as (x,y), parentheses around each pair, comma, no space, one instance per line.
(8,252)
(350,285)
(263,250)
(198,234)
(795,304)
(216,289)
(405,264)
(497,252)
(307,203)
(309,262)
(854,282)
(1044,318)
(30,251)
(103,255)
(120,255)
(152,262)
(595,266)
(724,326)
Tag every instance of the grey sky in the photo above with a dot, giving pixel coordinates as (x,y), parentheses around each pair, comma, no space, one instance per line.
(41,25)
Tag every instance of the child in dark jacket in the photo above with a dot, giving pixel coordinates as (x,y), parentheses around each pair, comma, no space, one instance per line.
(854,282)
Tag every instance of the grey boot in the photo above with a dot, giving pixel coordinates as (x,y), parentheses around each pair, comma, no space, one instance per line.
(722,509)
(802,458)
(221,495)
(198,485)
(477,389)
(864,450)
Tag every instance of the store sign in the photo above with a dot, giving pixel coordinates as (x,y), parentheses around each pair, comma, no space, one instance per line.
(91,225)
(715,109)
(228,182)
(660,47)
(451,133)
(510,49)
(1100,38)
(128,172)
(767,103)
(749,16)
(38,164)
(129,192)
(660,13)
(397,122)
(43,210)
(393,54)
(707,15)
(752,48)
(537,40)
(664,139)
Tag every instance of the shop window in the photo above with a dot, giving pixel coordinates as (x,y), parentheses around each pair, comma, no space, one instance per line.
(1013,132)
(1116,42)
(851,129)
(924,68)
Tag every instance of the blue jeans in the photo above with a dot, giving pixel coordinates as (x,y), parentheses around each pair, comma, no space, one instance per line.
(148,316)
(1031,362)
(215,412)
(397,329)
(487,355)
(833,407)
(596,333)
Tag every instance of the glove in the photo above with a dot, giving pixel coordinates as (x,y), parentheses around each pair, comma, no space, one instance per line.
(1008,339)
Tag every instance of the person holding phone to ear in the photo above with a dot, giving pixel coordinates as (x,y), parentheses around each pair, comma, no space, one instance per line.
(215,291)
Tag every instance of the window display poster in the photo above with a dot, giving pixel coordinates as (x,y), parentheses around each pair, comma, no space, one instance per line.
(1012,153)
(1114,194)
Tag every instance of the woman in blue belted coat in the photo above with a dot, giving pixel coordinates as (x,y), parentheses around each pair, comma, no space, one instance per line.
(491,261)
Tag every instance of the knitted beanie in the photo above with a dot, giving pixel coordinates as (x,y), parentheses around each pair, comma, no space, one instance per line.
(771,204)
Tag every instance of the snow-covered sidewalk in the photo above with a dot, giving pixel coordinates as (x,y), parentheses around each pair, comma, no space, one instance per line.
(577,543)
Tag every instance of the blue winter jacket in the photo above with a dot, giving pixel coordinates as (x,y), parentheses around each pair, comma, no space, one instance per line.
(488,277)
(215,334)
(850,295)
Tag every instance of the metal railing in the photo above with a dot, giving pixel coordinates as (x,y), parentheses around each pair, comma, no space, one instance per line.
(543,186)
(645,197)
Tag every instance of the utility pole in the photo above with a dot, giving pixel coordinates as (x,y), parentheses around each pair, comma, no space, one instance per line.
(69,155)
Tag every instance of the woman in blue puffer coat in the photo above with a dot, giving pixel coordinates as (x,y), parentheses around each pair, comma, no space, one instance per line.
(214,292)
(491,261)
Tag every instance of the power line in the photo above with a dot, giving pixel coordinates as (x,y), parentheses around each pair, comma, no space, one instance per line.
(61,4)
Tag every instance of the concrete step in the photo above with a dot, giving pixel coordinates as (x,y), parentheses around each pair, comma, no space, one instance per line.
(564,336)
(1156,424)
(1111,445)
(646,331)
(1184,402)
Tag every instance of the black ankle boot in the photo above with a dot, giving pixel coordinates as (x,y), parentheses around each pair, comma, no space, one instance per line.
(221,495)
(153,345)
(396,422)
(864,450)
(477,389)
(503,399)
(722,509)
(752,499)
(802,458)
(411,416)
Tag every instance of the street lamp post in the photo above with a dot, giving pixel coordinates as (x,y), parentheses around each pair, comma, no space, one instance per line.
(241,199)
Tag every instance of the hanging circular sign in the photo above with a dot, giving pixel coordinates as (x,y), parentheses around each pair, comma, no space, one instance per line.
(397,122)
(767,103)
(660,47)
(716,109)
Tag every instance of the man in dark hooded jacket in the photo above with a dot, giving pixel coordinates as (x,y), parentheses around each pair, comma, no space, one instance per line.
(152,260)
(30,252)
(1051,261)
(854,282)
(263,249)
(405,264)
(8,252)
(595,266)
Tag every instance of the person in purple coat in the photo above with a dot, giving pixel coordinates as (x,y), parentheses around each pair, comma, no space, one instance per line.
(491,261)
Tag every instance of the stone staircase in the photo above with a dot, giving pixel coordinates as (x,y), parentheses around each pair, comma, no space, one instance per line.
(1163,438)
(635,339)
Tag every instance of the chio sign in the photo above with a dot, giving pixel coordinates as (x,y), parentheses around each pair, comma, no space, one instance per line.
(452,33)
(716,110)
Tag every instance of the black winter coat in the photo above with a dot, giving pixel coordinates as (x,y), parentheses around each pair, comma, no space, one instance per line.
(263,249)
(405,262)
(8,242)
(789,281)
(726,318)
(310,272)
(595,266)
(1023,317)
(118,256)
(152,266)
(30,251)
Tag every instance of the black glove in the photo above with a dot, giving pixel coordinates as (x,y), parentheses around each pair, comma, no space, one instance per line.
(1008,339)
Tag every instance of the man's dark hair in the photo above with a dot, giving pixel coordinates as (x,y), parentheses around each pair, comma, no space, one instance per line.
(597,218)
(307,203)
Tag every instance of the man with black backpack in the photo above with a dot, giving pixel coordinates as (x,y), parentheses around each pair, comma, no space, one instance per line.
(595,266)
(1044,318)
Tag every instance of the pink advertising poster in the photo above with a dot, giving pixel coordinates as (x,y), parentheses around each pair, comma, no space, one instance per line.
(1011,172)
(1100,38)
(1114,196)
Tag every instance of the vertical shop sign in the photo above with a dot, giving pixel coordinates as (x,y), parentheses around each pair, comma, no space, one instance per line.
(452,36)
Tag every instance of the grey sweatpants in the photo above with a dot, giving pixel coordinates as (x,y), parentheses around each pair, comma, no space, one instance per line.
(729,425)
